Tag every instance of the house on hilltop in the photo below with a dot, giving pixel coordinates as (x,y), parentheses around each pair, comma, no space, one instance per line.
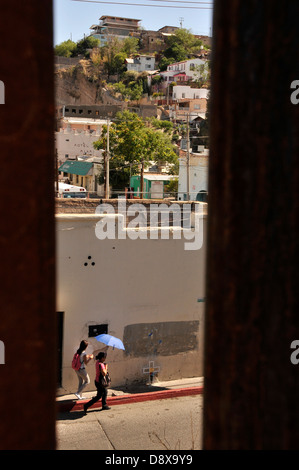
(114,26)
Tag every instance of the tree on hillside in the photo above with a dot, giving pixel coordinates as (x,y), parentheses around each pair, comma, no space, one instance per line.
(87,43)
(66,48)
(130,46)
(132,85)
(132,141)
(132,91)
(73,49)
(180,46)
(202,73)
(113,56)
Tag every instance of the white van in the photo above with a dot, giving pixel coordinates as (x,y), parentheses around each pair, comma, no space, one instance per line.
(69,190)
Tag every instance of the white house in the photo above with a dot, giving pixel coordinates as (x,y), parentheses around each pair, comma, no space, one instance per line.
(182,71)
(114,26)
(141,63)
(76,136)
(186,92)
(71,144)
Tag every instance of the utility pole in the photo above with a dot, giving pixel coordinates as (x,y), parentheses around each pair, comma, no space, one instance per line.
(107,192)
(142,179)
(56,173)
(188,159)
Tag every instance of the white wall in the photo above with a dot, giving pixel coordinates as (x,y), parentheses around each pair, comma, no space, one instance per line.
(198,175)
(147,292)
(141,64)
(75,145)
(188,92)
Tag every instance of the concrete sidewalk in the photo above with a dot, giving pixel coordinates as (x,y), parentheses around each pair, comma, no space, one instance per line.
(138,393)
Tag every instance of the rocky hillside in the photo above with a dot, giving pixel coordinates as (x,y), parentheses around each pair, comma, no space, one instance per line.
(81,85)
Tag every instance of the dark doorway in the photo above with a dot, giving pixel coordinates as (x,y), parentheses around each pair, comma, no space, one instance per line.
(60,321)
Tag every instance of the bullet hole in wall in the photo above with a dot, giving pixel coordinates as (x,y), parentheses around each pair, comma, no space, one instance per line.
(92,263)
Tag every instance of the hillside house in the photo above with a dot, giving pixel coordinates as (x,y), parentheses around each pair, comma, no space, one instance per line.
(188,101)
(114,26)
(141,63)
(184,71)
(75,135)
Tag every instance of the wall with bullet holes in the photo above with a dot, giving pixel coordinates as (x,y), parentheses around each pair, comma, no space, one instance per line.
(149,293)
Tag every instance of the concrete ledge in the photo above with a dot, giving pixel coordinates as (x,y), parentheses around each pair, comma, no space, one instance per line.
(77,405)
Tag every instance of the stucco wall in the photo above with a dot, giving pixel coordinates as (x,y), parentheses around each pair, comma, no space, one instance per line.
(147,291)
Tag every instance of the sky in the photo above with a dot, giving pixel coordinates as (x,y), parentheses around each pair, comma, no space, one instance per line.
(72,18)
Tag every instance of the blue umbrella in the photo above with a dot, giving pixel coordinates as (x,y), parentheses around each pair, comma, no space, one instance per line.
(110,341)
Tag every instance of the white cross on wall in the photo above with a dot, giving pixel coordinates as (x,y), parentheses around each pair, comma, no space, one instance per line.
(151,369)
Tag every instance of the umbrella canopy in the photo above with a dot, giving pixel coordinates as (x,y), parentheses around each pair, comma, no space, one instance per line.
(110,341)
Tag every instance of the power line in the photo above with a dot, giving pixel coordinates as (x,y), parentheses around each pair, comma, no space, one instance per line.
(145,5)
(181,1)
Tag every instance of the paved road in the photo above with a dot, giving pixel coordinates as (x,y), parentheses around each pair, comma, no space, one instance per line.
(168,424)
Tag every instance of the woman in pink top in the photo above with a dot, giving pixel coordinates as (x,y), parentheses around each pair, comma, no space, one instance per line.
(101,369)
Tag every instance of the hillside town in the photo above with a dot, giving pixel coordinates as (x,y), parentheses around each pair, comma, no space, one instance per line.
(163,77)
(132,152)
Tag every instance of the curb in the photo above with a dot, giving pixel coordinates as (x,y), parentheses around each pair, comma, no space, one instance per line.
(74,405)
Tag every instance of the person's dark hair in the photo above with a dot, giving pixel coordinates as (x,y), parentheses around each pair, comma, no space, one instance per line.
(101,355)
(82,347)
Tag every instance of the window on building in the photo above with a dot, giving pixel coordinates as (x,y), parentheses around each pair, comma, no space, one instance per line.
(95,330)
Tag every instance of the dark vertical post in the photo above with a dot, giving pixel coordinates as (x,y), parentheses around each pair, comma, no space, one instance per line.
(27,245)
(252,315)
(142,196)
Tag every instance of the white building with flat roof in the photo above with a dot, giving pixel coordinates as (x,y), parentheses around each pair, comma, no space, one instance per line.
(76,136)
(180,92)
(141,63)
